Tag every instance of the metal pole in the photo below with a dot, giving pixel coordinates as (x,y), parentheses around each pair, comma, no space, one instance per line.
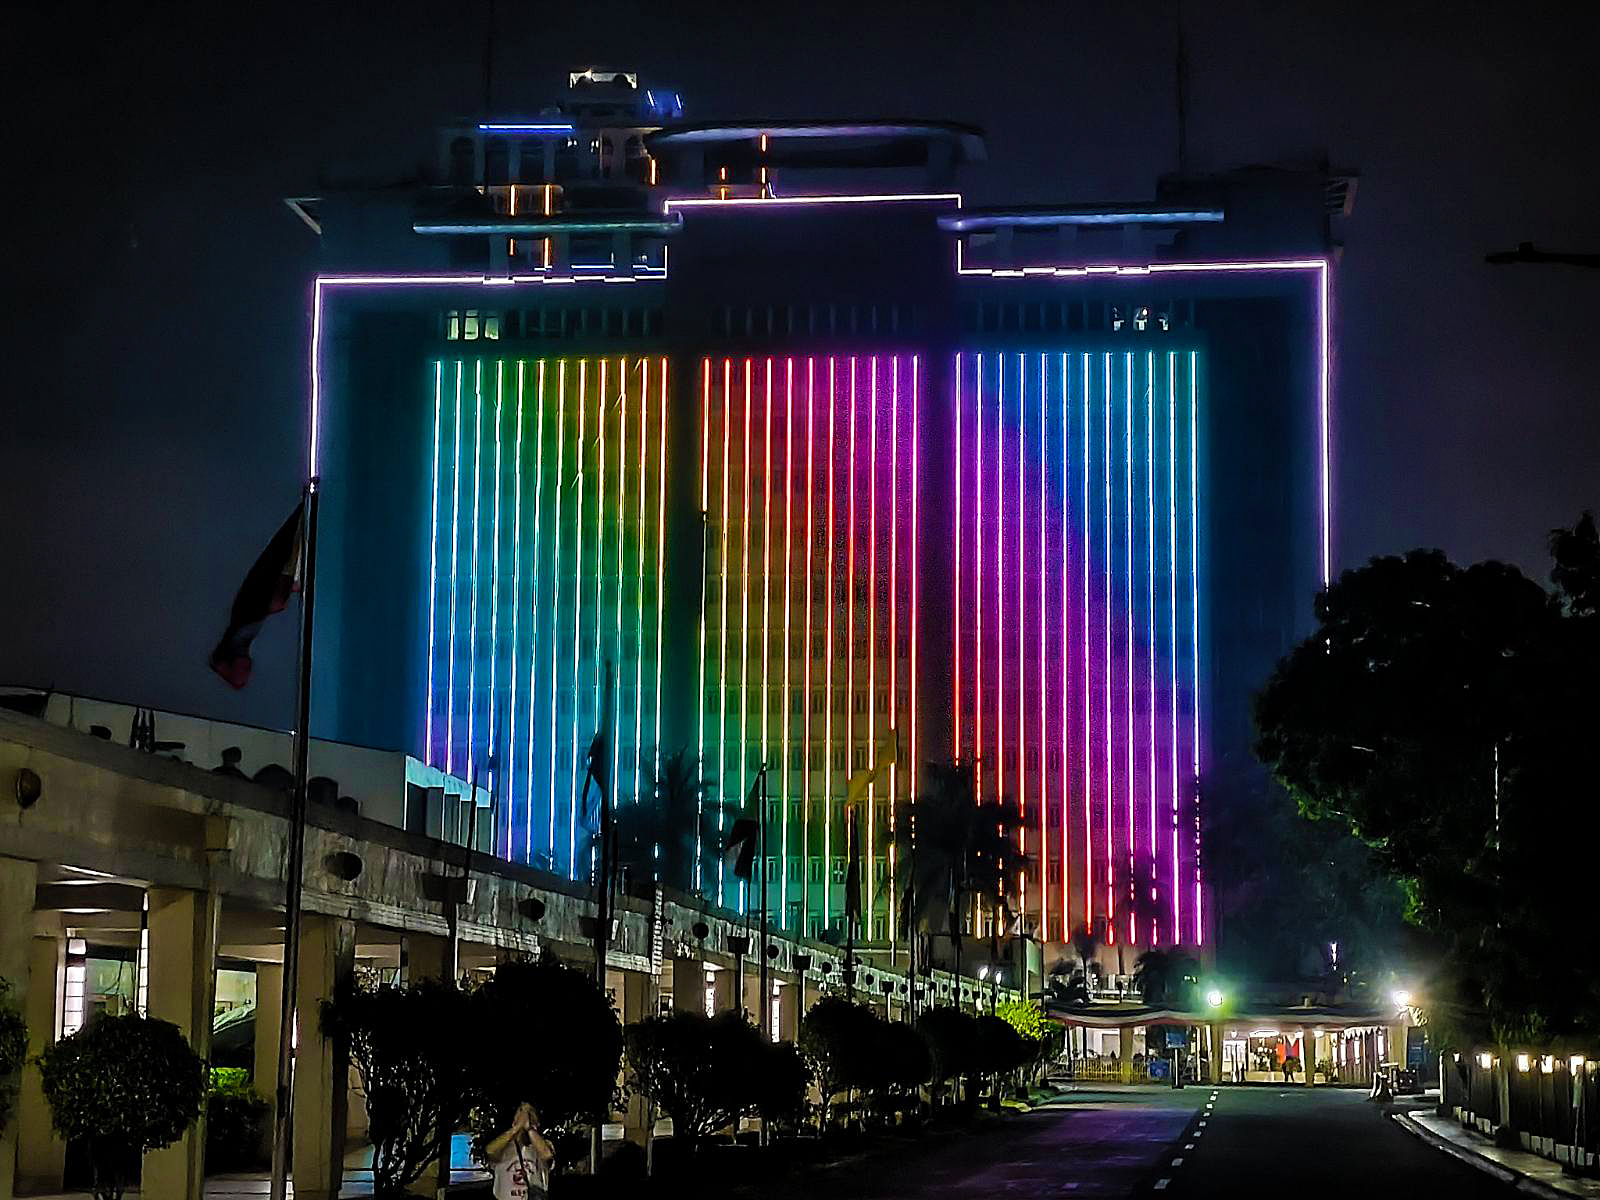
(284,1112)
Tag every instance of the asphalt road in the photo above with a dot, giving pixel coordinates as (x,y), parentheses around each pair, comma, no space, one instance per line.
(1307,1144)
(1288,1144)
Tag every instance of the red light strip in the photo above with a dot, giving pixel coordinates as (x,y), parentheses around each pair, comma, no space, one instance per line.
(806,703)
(955,750)
(705,576)
(850,610)
(829,654)
(788,630)
(916,549)
(894,628)
(872,634)
(1041,568)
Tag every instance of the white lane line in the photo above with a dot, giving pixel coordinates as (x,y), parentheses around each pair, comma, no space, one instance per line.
(1188,1145)
(1178,1162)
(1161,1183)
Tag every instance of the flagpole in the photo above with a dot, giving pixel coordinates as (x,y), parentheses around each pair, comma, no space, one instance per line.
(297,849)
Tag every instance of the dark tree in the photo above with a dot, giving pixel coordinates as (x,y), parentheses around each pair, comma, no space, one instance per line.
(406,1043)
(548,1036)
(13,1049)
(1167,978)
(952,1038)
(839,1038)
(1446,716)
(697,1070)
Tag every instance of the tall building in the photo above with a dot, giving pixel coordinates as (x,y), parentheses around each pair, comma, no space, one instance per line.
(753,442)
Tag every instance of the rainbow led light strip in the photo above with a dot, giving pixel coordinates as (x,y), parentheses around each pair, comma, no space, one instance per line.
(1067,443)
(869,533)
(602,555)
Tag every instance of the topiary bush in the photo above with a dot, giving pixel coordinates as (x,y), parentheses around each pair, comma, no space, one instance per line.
(952,1037)
(782,1077)
(840,1039)
(700,1071)
(13,1050)
(124,1085)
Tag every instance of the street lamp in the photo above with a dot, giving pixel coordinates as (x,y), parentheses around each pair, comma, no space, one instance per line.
(1214,998)
(1401,998)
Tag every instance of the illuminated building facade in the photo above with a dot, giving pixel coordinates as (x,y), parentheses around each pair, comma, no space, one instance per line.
(737,441)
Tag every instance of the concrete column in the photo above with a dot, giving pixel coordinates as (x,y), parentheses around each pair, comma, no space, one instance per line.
(789,1013)
(1308,1056)
(1125,1052)
(269,1031)
(638,989)
(269,1023)
(18,882)
(183,990)
(426,957)
(1214,1032)
(723,996)
(688,985)
(321,1066)
(41,1155)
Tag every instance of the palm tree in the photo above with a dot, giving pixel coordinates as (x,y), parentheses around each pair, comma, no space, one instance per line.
(661,838)
(953,852)
(1165,978)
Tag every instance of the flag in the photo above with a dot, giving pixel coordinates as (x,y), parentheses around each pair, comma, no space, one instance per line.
(598,762)
(888,751)
(852,875)
(739,852)
(859,783)
(266,590)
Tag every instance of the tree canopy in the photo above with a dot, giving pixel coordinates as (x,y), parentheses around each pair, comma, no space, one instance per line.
(1446,716)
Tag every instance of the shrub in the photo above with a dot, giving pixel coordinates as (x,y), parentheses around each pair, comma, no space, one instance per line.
(549,1036)
(697,1070)
(125,1085)
(236,1116)
(782,1079)
(406,1045)
(952,1039)
(13,1049)
(839,1038)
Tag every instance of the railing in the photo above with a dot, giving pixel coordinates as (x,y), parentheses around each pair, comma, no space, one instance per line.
(1547,1104)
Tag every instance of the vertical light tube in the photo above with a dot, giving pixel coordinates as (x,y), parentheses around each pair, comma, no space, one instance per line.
(640,528)
(1088,732)
(1127,563)
(472,610)
(916,547)
(1022,624)
(433,552)
(829,655)
(516,614)
(455,536)
(1039,570)
(788,629)
(615,732)
(533,621)
(494,572)
(1324,437)
(1000,579)
(766,603)
(722,619)
(894,627)
(872,636)
(955,749)
(978,539)
(1105,683)
(602,404)
(744,611)
(850,611)
(705,576)
(661,558)
(577,615)
(806,702)
(1172,619)
(558,486)
(1065,563)
(1194,610)
(1150,618)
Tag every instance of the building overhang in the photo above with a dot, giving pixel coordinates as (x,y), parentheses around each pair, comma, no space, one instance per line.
(826,143)
(537,225)
(986,220)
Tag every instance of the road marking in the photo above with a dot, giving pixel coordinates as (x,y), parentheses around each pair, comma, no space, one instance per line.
(1188,1145)
(1178,1162)
(1161,1183)
(1202,1124)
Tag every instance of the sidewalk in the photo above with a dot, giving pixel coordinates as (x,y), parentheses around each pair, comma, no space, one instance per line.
(1524,1171)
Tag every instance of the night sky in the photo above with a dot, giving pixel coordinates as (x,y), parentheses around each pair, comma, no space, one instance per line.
(155,393)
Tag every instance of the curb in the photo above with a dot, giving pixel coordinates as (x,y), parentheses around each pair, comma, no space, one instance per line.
(1516,1179)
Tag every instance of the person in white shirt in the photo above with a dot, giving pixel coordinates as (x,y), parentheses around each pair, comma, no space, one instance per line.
(520,1158)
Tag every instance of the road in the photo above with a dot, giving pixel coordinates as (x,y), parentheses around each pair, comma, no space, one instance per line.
(1269,1142)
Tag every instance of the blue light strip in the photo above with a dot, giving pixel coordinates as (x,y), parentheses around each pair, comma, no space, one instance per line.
(494,578)
(526,126)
